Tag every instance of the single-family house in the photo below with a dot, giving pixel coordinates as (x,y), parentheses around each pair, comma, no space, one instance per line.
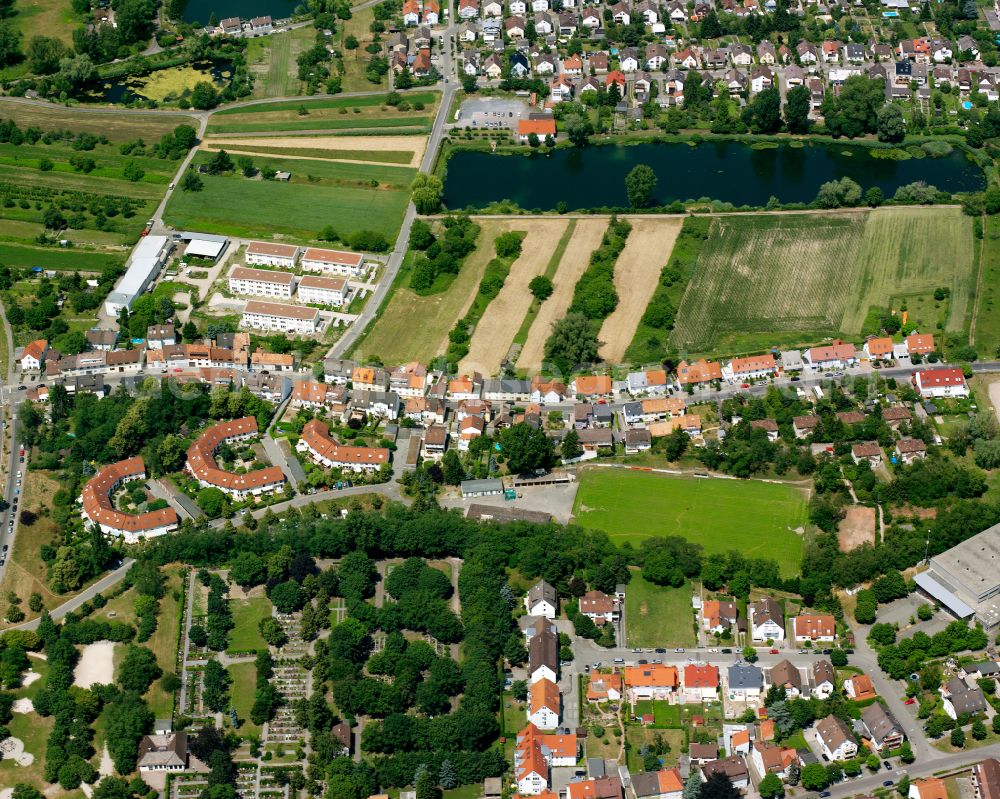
(814,627)
(785,674)
(699,372)
(542,600)
(662,784)
(734,768)
(928,788)
(908,450)
(767,621)
(701,682)
(544,704)
(654,681)
(824,680)
(605,687)
(836,739)
(837,355)
(881,728)
(598,606)
(946,382)
(744,682)
(960,699)
(718,616)
(859,687)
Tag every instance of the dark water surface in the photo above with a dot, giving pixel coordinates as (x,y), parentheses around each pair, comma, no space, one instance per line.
(201,10)
(729,171)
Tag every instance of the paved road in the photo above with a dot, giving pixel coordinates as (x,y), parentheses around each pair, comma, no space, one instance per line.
(107,581)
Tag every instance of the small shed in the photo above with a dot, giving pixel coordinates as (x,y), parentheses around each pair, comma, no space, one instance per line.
(481,488)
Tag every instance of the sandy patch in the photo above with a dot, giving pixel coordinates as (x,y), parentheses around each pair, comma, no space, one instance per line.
(22,706)
(6,793)
(107,765)
(29,677)
(585,239)
(13,749)
(995,398)
(414,144)
(96,665)
(493,335)
(856,528)
(637,272)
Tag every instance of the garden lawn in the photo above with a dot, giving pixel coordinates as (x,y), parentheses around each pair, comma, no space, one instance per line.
(757,519)
(247,614)
(656,616)
(164,643)
(664,714)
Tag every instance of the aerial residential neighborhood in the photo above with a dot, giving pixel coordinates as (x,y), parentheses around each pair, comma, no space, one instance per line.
(498,399)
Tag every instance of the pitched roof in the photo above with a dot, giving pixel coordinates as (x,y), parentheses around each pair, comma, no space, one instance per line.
(862,685)
(986,776)
(654,783)
(785,673)
(930,788)
(652,676)
(544,694)
(822,671)
(317,436)
(814,625)
(933,378)
(767,609)
(97,506)
(201,458)
(701,371)
(545,126)
(262,275)
(701,676)
(588,385)
(834,732)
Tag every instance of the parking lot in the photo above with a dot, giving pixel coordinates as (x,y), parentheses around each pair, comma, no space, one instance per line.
(492,113)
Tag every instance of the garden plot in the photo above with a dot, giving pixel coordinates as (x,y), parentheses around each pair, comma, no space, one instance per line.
(585,239)
(495,332)
(636,274)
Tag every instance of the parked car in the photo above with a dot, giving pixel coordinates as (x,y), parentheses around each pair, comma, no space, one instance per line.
(774,651)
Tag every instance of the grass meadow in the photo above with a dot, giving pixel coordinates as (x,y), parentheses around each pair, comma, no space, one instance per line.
(247,615)
(320,193)
(784,279)
(657,616)
(755,518)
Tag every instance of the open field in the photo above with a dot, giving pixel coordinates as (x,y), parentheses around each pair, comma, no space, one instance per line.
(117,126)
(495,332)
(907,251)
(585,239)
(657,616)
(637,270)
(320,193)
(857,528)
(45,18)
(415,327)
(247,614)
(755,518)
(272,61)
(987,326)
(353,78)
(403,150)
(163,643)
(768,280)
(72,260)
(344,113)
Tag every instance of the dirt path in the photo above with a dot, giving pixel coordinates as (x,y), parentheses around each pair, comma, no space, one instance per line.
(585,239)
(994,392)
(636,274)
(493,335)
(414,144)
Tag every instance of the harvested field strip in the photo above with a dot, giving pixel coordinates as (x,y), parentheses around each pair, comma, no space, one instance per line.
(416,124)
(495,331)
(293,106)
(550,272)
(402,156)
(312,157)
(116,125)
(636,274)
(586,238)
(414,327)
(761,274)
(914,250)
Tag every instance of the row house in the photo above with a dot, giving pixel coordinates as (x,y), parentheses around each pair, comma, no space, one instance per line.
(203,467)
(321,448)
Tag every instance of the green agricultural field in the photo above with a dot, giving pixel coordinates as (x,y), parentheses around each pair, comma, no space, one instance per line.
(784,279)
(401,157)
(755,518)
(320,193)
(272,60)
(247,615)
(71,260)
(341,113)
(657,616)
(987,322)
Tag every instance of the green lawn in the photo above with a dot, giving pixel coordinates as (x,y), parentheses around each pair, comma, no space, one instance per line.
(664,714)
(326,103)
(418,124)
(242,692)
(247,614)
(656,616)
(755,518)
(338,194)
(987,326)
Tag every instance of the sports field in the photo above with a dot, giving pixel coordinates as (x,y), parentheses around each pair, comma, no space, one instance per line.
(319,193)
(755,518)
(766,280)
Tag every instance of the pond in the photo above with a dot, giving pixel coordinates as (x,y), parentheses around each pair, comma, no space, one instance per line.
(201,10)
(162,84)
(729,171)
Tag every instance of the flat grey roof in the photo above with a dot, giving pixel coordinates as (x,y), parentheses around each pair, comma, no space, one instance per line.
(974,564)
(926,581)
(480,486)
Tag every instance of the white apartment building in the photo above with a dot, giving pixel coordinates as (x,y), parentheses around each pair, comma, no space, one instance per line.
(324,290)
(280,317)
(265,253)
(333,262)
(261,283)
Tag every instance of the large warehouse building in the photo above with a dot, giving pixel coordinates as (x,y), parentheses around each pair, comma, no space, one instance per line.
(966,578)
(148,258)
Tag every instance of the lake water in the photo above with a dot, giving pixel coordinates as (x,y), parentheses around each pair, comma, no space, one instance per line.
(729,171)
(201,10)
